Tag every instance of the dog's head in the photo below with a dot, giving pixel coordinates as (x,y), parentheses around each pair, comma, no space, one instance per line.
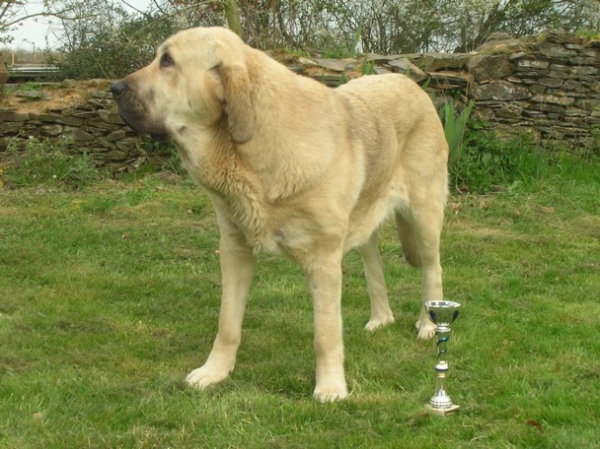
(198,77)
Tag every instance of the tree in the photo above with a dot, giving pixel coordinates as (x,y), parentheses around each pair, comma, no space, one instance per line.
(109,42)
(232,14)
(14,12)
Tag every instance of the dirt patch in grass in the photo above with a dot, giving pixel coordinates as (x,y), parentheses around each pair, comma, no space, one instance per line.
(54,97)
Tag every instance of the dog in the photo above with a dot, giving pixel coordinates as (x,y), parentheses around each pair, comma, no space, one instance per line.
(300,169)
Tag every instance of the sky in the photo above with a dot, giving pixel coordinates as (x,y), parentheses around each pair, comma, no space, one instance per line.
(37,34)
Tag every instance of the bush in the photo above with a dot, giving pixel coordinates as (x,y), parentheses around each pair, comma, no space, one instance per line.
(113,44)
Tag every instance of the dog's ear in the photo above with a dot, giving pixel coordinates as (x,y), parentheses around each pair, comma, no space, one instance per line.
(238,102)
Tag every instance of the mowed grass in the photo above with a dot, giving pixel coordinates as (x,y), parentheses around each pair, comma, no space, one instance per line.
(110,296)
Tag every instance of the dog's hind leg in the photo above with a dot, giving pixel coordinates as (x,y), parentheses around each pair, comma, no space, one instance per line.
(420,232)
(237,269)
(381,314)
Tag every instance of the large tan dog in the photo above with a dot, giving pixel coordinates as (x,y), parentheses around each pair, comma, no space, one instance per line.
(296,168)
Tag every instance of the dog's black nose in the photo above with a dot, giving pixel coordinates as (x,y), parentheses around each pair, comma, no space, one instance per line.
(117,88)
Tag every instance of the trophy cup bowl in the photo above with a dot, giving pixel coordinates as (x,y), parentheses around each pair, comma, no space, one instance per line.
(443,314)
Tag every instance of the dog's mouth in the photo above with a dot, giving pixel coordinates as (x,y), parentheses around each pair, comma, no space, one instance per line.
(142,126)
(160,137)
(134,113)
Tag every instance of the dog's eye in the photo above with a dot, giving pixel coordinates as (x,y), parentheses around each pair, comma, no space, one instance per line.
(166,60)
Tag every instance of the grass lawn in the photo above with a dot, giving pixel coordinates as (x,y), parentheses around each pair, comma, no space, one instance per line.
(109,297)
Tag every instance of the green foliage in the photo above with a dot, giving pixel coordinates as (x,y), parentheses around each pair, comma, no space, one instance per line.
(489,161)
(49,164)
(367,67)
(455,126)
(481,160)
(168,154)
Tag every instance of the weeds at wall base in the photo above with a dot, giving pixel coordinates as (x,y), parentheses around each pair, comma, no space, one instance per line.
(36,163)
(480,161)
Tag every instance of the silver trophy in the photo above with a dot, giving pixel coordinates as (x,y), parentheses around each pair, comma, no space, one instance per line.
(442,313)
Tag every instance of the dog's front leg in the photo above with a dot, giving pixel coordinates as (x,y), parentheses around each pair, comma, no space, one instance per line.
(237,270)
(325,282)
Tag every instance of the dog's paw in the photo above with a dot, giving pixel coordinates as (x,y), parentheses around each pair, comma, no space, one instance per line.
(426,329)
(204,377)
(330,394)
(379,322)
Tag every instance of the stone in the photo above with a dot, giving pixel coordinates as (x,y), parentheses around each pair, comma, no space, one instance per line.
(329,80)
(451,80)
(374,57)
(10,128)
(553,99)
(517,56)
(57,118)
(51,130)
(483,114)
(31,95)
(551,82)
(81,136)
(559,74)
(403,65)
(86,115)
(105,143)
(11,115)
(129,145)
(102,125)
(501,90)
(384,71)
(116,155)
(505,47)
(101,94)
(574,46)
(510,110)
(559,37)
(111,117)
(537,89)
(593,71)
(573,85)
(335,65)
(101,103)
(437,61)
(582,60)
(490,67)
(498,36)
(590,105)
(119,134)
(592,43)
(557,51)
(533,64)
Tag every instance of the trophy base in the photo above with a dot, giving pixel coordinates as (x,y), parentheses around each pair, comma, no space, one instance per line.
(443,411)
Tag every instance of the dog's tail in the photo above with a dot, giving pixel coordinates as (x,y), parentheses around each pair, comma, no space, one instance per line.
(407,238)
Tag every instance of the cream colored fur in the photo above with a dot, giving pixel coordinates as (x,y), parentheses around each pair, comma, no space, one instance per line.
(296,168)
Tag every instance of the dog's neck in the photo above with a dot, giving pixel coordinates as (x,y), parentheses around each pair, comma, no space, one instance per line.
(223,174)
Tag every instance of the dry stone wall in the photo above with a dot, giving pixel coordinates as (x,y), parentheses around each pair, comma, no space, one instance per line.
(547,85)
(550,87)
(90,124)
